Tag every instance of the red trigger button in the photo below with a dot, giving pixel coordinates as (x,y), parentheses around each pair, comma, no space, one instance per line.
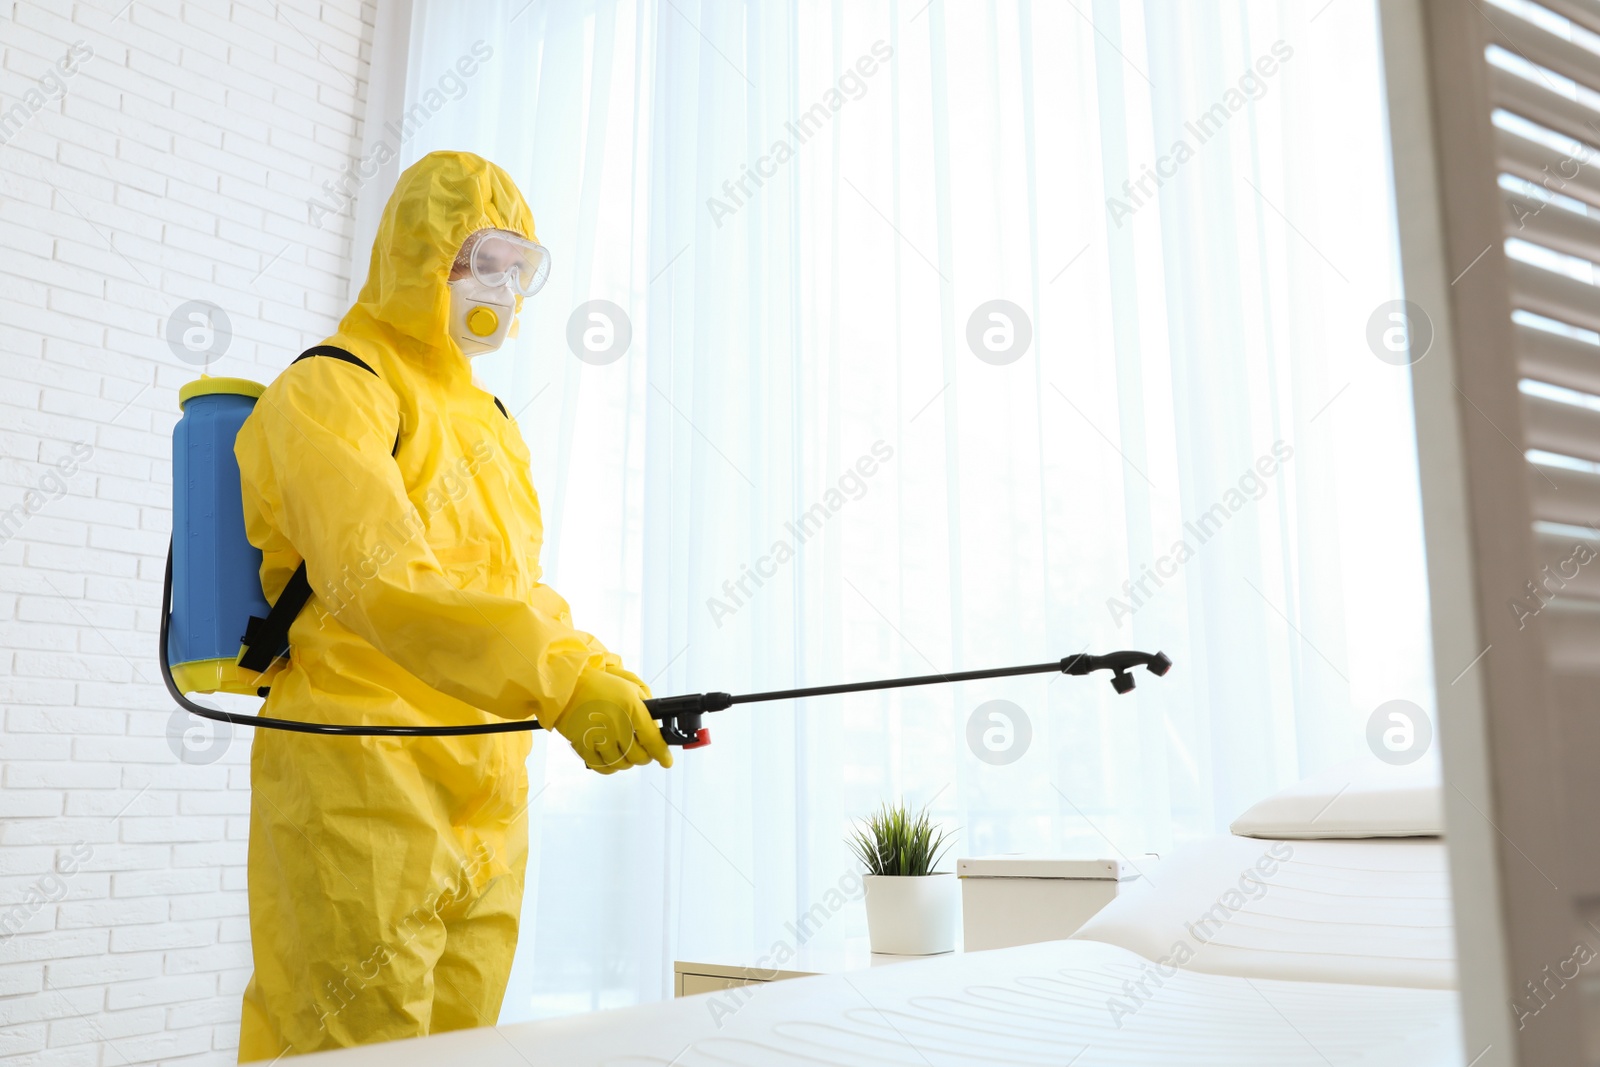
(702,738)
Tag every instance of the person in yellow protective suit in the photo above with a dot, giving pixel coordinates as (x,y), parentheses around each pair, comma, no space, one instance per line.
(386,874)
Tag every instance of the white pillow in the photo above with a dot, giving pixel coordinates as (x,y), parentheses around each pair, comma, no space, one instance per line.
(1362,798)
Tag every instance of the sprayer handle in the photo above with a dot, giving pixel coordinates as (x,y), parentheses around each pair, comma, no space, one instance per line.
(680,716)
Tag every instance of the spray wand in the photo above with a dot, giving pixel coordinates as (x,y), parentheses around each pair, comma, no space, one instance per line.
(680,716)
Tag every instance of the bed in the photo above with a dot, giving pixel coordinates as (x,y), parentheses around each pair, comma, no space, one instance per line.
(1328,952)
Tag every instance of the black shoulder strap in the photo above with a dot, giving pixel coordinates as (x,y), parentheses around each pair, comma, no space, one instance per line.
(501,406)
(337,353)
(267,639)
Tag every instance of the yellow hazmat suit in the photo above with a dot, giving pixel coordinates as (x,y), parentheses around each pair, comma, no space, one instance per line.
(386,874)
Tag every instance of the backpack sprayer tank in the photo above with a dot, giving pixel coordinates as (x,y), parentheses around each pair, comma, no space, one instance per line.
(215,572)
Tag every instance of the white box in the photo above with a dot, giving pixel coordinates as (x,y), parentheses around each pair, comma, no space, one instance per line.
(1022,899)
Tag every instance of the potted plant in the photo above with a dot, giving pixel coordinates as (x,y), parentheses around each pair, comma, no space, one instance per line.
(911,908)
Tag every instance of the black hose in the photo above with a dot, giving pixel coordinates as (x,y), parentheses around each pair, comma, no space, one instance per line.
(294,725)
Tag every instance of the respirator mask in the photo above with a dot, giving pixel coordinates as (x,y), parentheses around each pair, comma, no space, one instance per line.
(501,267)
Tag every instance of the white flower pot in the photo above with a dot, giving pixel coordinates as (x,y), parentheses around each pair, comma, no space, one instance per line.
(912,915)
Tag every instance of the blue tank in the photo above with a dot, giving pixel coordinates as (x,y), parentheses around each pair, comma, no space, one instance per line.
(216,571)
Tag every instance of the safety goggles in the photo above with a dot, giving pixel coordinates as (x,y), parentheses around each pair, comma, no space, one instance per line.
(499,257)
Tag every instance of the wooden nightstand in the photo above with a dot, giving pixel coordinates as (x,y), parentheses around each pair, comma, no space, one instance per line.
(689,978)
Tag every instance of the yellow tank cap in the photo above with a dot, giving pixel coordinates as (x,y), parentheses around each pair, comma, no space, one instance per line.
(207,386)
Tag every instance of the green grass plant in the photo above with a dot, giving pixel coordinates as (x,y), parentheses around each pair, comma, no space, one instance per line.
(896,842)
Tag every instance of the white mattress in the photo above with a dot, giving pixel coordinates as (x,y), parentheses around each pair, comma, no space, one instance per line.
(1334,952)
(1045,1005)
(1374,911)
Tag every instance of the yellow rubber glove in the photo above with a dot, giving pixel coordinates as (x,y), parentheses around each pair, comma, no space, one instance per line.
(622,672)
(609,726)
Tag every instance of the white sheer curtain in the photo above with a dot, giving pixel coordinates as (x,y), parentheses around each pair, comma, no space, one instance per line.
(800,346)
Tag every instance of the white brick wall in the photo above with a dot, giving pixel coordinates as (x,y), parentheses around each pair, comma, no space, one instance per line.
(176,165)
